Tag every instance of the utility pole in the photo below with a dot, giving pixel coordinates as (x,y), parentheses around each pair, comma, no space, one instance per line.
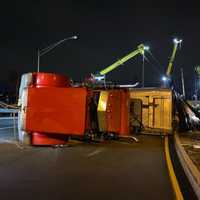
(143,70)
(38,60)
(183,83)
(197,80)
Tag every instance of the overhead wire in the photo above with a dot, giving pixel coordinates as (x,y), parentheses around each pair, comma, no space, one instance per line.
(155,59)
(157,69)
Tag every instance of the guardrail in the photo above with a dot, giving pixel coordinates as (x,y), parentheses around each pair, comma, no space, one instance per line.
(13,117)
(8,110)
(190,169)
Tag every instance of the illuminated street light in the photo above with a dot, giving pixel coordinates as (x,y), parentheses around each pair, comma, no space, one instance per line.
(146,48)
(164,78)
(177,41)
(49,48)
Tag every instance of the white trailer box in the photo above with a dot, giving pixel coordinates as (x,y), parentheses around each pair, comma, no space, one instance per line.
(156,112)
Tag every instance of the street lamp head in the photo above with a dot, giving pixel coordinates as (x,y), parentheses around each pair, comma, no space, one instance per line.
(175,40)
(74,37)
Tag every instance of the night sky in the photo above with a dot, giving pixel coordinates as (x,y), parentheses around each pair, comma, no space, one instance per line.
(107,31)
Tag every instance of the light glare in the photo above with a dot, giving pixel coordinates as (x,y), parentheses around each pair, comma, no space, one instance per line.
(164,78)
(175,40)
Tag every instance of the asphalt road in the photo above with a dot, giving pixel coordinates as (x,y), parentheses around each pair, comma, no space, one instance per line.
(113,170)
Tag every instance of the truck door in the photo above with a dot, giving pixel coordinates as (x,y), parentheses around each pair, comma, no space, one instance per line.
(135,115)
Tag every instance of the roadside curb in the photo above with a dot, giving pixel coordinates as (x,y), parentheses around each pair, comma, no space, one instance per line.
(189,168)
(175,185)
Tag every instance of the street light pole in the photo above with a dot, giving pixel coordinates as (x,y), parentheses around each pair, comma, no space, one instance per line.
(142,70)
(182,83)
(146,48)
(49,48)
(38,60)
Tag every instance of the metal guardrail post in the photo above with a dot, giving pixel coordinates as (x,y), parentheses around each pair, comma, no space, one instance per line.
(12,117)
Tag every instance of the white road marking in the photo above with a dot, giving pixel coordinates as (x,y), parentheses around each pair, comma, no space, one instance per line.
(95,152)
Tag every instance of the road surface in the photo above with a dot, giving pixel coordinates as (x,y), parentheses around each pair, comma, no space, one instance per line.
(112,170)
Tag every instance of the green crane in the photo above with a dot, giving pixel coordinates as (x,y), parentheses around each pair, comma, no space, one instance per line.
(169,68)
(101,75)
(167,78)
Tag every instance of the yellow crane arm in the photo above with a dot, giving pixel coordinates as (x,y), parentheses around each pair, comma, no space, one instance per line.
(169,68)
(140,50)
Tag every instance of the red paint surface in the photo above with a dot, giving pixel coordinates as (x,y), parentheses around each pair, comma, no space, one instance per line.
(113,114)
(124,123)
(56,110)
(117,112)
(50,80)
(48,139)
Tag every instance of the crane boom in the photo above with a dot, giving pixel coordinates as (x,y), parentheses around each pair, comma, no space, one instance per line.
(140,50)
(170,65)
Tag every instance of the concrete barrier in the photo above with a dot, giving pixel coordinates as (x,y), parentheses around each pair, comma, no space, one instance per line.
(190,169)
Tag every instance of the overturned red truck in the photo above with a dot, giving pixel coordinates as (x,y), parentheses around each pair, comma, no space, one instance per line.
(52,109)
